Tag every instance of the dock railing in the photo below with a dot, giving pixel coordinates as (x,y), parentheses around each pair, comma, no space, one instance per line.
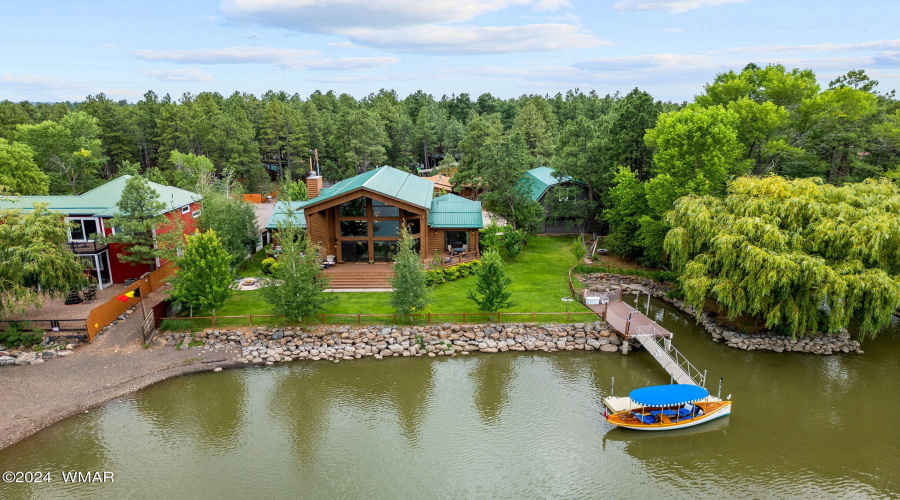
(682,362)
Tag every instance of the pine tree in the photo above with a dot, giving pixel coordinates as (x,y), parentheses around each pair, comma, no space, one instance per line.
(204,279)
(410,291)
(296,288)
(139,213)
(491,284)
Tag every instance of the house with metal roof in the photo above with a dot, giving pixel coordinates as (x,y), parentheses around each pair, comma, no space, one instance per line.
(88,215)
(359,219)
(545,188)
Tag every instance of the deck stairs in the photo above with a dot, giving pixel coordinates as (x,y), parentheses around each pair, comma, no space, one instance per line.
(380,280)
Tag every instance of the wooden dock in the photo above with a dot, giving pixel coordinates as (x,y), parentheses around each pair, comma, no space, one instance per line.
(631,324)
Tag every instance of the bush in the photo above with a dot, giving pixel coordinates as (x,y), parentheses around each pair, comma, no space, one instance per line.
(18,335)
(268,265)
(578,249)
(452,273)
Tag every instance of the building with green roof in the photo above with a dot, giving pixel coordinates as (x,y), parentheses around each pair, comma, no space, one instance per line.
(545,188)
(359,219)
(89,214)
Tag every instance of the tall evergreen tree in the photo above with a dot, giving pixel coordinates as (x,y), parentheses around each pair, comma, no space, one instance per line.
(491,284)
(296,287)
(410,293)
(139,214)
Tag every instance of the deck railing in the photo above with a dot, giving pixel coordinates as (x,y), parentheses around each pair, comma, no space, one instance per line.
(696,375)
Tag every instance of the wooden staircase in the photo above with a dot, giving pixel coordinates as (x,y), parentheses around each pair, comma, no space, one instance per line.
(365,279)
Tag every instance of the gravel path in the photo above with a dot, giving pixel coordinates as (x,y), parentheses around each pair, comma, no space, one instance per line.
(115,364)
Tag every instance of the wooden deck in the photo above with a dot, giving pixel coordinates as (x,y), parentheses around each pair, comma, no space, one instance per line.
(631,324)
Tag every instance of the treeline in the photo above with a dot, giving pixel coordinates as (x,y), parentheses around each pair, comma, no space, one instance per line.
(637,155)
(81,144)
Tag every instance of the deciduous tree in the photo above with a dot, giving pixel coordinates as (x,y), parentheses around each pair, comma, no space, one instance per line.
(783,249)
(204,278)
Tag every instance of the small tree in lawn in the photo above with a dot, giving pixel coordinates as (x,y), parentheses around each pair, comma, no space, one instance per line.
(204,278)
(410,291)
(491,283)
(296,287)
(139,213)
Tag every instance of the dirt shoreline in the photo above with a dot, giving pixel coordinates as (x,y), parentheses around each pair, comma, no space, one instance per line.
(33,397)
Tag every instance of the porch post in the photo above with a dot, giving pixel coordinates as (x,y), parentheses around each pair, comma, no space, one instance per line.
(97,269)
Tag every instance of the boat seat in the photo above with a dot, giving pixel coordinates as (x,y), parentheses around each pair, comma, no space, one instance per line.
(644,419)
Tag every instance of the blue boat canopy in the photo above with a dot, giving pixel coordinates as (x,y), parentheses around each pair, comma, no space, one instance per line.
(668,395)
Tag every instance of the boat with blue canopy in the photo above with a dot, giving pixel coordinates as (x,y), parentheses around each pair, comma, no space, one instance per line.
(666,407)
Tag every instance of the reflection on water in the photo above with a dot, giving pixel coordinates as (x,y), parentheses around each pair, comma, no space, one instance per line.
(508,425)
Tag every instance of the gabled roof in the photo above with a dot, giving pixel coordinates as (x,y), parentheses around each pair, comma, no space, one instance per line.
(101,201)
(538,180)
(451,211)
(282,209)
(388,181)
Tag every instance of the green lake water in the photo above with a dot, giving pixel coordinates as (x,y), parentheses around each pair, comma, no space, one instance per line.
(513,425)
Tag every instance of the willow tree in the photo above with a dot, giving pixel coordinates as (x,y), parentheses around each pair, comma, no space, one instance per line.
(792,250)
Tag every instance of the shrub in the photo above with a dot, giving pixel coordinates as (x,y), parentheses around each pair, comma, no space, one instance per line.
(268,265)
(17,335)
(452,273)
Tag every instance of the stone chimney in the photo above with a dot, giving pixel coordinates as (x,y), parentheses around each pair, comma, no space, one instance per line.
(313,185)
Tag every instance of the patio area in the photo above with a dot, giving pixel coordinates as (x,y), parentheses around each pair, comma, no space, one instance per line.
(69,316)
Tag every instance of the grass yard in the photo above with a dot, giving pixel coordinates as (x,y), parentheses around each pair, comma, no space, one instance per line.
(252,267)
(539,283)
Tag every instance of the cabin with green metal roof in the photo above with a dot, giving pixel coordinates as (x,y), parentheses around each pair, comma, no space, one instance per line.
(542,185)
(359,219)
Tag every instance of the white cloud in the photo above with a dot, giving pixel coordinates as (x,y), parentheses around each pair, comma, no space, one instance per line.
(675,30)
(650,61)
(551,5)
(179,75)
(671,6)
(38,83)
(329,16)
(341,63)
(823,47)
(477,40)
(228,55)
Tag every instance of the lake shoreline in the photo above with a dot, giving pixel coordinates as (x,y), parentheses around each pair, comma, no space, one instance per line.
(44,394)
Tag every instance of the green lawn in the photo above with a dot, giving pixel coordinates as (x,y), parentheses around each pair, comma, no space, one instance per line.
(252,267)
(539,282)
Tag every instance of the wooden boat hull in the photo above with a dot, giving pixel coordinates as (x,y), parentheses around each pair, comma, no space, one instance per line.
(711,412)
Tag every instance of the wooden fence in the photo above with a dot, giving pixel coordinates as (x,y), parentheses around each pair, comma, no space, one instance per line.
(427,318)
(106,313)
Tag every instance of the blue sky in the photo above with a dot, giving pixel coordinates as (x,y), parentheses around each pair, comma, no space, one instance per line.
(52,51)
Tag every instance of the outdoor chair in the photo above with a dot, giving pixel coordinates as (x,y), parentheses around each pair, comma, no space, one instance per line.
(329,260)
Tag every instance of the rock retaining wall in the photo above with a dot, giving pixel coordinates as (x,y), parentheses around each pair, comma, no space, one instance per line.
(769,340)
(269,345)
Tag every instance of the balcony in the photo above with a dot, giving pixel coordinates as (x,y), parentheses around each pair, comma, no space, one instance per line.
(87,247)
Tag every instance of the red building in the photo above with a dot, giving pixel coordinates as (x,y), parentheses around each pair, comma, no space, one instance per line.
(90,214)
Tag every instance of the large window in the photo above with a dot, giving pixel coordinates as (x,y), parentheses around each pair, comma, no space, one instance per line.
(354,228)
(414,226)
(382,209)
(385,251)
(355,251)
(457,240)
(353,208)
(386,228)
(83,229)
